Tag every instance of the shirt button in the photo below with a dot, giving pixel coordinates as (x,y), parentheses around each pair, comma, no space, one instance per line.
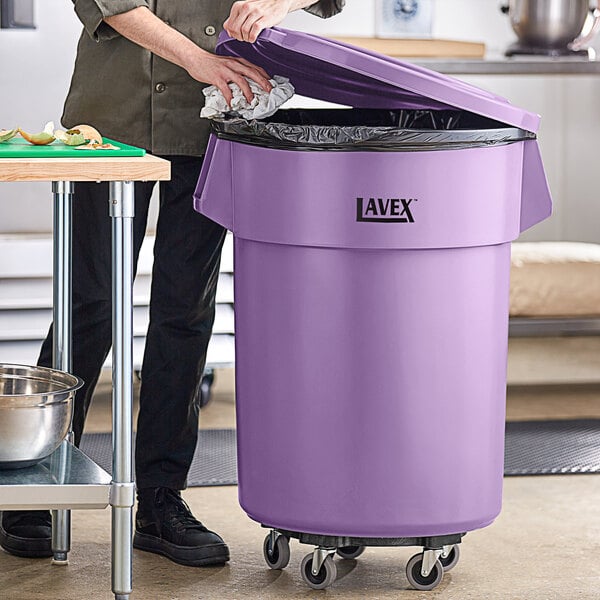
(160,88)
(210,30)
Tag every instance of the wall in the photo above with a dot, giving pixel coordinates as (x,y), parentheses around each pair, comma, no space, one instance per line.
(43,60)
(469,20)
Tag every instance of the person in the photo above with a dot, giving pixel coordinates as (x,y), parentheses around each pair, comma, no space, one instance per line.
(139,73)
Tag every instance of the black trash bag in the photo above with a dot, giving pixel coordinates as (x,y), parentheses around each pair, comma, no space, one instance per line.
(406,130)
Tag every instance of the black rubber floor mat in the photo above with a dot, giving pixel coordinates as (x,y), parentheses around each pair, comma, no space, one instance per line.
(532,448)
(552,447)
(214,462)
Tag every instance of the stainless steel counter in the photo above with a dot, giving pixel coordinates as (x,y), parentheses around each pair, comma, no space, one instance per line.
(499,65)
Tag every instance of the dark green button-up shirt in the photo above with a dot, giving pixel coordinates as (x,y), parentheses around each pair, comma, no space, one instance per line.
(138,98)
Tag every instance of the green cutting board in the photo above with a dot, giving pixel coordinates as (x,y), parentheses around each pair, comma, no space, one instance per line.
(20,148)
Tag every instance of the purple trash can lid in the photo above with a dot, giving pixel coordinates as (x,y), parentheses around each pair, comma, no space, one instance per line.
(336,72)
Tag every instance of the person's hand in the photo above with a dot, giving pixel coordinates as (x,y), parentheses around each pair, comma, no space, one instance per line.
(249,17)
(222,70)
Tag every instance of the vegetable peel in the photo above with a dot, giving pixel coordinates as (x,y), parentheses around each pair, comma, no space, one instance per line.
(40,139)
(72,137)
(95,146)
(7,134)
(89,133)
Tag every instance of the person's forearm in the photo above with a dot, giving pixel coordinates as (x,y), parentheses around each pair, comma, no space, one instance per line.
(146,29)
(300,4)
(249,17)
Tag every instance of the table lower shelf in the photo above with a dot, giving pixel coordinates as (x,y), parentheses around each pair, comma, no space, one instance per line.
(67,479)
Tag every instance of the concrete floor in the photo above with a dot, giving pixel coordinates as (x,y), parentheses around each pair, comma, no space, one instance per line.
(544,546)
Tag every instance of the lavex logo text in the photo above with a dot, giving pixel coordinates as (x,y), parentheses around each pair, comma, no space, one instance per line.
(385,210)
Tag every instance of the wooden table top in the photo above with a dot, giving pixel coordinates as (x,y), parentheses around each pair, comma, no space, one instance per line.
(143,168)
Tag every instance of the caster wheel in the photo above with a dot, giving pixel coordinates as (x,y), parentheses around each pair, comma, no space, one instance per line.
(204,393)
(451,560)
(279,556)
(325,577)
(413,574)
(350,552)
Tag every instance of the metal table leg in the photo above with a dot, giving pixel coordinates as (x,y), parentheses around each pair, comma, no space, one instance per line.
(122,495)
(61,352)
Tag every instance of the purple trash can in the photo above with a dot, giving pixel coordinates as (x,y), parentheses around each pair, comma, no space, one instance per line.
(371,302)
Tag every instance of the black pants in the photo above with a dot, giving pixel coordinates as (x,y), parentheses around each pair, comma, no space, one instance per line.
(182,306)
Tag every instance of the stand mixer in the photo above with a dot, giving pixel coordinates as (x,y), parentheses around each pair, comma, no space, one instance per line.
(552,27)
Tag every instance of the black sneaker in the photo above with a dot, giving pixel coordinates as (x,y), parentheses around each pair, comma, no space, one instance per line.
(165,525)
(26,533)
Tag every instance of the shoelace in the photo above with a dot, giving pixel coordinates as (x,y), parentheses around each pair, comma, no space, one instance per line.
(178,512)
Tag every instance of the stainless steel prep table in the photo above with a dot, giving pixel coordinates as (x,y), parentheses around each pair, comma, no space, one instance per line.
(68,479)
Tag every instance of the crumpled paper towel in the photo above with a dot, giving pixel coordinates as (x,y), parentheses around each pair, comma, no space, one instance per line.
(264,104)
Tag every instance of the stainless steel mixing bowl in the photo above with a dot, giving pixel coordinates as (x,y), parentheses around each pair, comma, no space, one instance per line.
(36,405)
(548,23)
